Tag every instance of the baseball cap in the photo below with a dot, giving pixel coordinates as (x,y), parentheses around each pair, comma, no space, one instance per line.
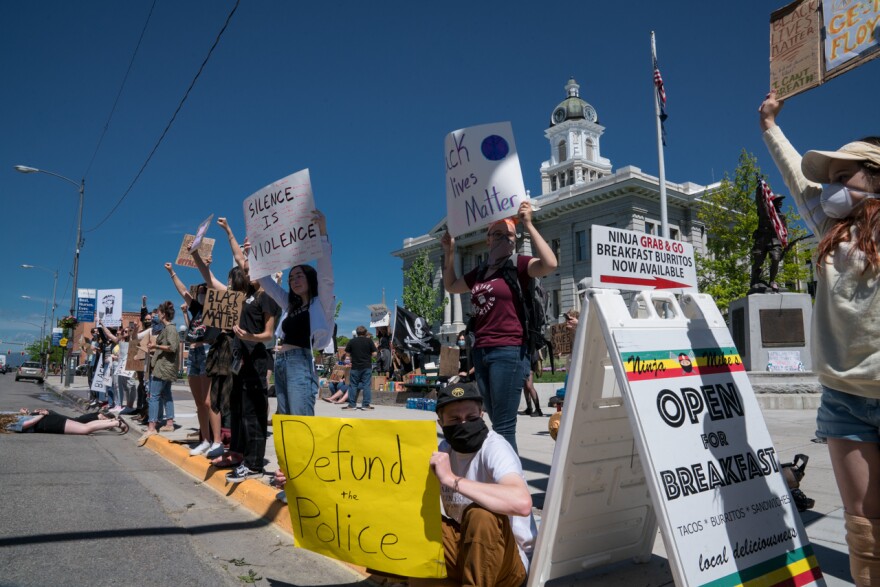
(458,392)
(815,164)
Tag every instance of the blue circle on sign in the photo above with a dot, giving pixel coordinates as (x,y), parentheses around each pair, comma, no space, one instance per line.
(495,148)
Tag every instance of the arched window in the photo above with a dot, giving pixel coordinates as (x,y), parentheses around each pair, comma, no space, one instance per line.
(561,151)
(591,150)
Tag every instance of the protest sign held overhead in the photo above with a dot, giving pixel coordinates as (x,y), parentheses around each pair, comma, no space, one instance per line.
(85,304)
(852,34)
(222,308)
(109,307)
(625,259)
(379,315)
(413,333)
(184,257)
(200,233)
(362,491)
(795,48)
(483,177)
(279,224)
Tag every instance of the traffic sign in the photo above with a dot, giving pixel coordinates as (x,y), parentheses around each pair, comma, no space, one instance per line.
(62,343)
(625,259)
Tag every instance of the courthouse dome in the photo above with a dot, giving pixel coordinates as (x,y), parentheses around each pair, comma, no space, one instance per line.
(573,107)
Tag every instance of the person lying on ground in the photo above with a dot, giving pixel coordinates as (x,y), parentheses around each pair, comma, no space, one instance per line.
(49,422)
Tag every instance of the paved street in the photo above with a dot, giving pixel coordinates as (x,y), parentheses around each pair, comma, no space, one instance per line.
(97,510)
(150,504)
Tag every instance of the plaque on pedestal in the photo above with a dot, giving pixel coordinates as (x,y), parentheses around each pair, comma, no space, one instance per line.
(762,324)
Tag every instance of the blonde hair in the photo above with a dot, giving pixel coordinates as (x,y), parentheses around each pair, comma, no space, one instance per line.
(6,420)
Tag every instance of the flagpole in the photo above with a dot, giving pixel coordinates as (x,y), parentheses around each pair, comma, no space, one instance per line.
(664,220)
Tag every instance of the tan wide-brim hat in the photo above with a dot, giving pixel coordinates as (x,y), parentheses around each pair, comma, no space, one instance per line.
(815,164)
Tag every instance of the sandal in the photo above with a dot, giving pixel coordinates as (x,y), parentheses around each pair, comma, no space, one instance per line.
(123,425)
(167,428)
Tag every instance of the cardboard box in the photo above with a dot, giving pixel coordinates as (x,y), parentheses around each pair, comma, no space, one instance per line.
(379,382)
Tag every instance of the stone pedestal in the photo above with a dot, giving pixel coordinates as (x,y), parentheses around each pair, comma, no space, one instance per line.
(762,324)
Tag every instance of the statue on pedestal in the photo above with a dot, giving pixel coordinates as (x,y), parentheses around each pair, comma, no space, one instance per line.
(770,238)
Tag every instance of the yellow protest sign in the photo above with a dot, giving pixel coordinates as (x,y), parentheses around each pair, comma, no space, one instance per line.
(362,491)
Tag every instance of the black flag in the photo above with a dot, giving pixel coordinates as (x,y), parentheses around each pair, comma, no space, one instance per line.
(413,333)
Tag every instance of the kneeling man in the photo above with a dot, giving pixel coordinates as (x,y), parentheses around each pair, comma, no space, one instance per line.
(488,530)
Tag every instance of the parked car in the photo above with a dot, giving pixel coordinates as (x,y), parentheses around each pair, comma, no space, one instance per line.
(30,370)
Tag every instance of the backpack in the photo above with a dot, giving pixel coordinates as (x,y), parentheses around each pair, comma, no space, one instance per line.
(532,311)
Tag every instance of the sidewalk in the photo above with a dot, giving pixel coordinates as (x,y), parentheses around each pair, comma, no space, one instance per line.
(792,432)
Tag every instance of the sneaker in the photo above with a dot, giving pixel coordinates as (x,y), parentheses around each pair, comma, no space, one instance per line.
(242,473)
(116,410)
(200,449)
(215,450)
(368,408)
(349,408)
(537,413)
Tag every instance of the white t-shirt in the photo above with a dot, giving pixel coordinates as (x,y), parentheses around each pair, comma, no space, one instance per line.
(494,460)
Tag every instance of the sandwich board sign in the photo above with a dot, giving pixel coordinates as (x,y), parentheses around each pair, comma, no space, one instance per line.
(627,259)
(724,510)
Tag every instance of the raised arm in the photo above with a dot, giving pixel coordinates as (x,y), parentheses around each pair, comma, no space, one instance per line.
(326,283)
(544,261)
(237,253)
(206,272)
(451,281)
(178,285)
(110,336)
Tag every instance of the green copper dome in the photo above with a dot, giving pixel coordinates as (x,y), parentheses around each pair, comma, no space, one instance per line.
(573,107)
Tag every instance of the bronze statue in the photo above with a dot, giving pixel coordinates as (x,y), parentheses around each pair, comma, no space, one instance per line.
(771,237)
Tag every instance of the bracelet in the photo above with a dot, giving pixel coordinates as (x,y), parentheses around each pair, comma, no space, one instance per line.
(455,485)
(173,275)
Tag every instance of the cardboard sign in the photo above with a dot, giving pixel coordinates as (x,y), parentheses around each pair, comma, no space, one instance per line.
(341,373)
(362,491)
(200,233)
(561,336)
(279,224)
(449,361)
(795,48)
(483,177)
(852,34)
(109,307)
(379,315)
(625,259)
(85,305)
(184,257)
(222,308)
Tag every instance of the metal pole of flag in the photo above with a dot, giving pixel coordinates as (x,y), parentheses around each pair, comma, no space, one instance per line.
(656,89)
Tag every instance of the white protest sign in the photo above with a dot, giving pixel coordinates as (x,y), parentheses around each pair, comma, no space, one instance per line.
(278,220)
(851,33)
(625,259)
(109,307)
(200,233)
(379,315)
(98,383)
(483,177)
(725,511)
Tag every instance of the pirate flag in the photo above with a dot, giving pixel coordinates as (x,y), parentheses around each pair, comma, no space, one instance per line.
(413,333)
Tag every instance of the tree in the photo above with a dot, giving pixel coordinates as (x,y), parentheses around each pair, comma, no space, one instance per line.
(420,296)
(33,351)
(730,218)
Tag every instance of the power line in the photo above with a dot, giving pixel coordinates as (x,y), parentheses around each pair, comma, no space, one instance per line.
(119,94)
(170,122)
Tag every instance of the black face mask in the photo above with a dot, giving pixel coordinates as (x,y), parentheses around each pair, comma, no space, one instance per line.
(466,437)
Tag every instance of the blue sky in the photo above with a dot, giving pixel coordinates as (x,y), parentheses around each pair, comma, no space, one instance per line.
(363,95)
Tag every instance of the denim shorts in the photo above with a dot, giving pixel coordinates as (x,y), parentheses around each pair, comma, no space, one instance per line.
(197,359)
(848,416)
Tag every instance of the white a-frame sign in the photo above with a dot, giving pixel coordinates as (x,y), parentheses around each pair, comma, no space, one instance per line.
(696,456)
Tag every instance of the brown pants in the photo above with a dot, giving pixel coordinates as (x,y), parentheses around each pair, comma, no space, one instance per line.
(482,550)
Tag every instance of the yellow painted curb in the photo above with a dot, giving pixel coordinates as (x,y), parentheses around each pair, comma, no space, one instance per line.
(252,494)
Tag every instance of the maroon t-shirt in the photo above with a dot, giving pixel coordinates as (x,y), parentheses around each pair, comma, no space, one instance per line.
(494,306)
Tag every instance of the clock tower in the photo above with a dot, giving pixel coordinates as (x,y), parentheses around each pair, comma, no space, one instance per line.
(574,144)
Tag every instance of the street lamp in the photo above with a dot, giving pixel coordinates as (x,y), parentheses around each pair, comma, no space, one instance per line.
(81,188)
(54,305)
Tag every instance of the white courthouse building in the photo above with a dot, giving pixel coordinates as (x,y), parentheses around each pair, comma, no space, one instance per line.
(579,188)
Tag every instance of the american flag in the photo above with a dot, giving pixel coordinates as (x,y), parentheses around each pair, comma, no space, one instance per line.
(661,100)
(778,226)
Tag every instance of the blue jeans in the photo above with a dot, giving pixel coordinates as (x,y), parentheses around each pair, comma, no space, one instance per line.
(360,379)
(160,391)
(198,356)
(848,416)
(500,373)
(296,382)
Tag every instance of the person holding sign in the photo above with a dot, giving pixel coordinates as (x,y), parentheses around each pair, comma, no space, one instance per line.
(199,338)
(838,196)
(163,372)
(500,354)
(307,323)
(489,533)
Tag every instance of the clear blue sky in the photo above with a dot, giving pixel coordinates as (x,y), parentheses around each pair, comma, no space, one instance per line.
(362,93)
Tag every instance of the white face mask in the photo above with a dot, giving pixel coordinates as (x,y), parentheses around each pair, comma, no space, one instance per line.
(837,200)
